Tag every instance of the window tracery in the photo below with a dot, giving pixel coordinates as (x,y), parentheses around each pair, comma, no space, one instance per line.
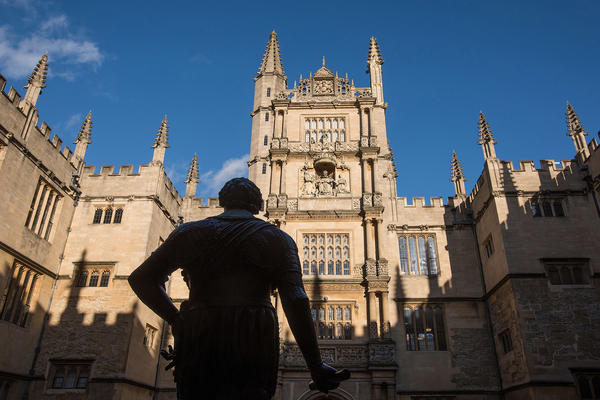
(424,328)
(418,255)
(333,321)
(330,260)
(42,209)
(16,299)
(324,129)
(93,276)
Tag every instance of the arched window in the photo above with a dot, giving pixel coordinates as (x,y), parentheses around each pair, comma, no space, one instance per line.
(268,92)
(558,209)
(578,277)
(346,252)
(266,116)
(403,254)
(535,209)
(321,252)
(118,216)
(565,276)
(330,252)
(313,252)
(321,330)
(108,215)
(342,136)
(307,136)
(97,216)
(547,209)
(313,313)
(338,331)
(330,267)
(313,268)
(335,124)
(265,140)
(348,331)
(105,278)
(423,256)
(321,239)
(338,313)
(321,268)
(305,252)
(320,124)
(82,379)
(338,252)
(337,239)
(553,275)
(330,313)
(59,378)
(82,278)
(264,168)
(338,267)
(328,124)
(321,314)
(432,256)
(330,331)
(347,314)
(346,268)
(305,267)
(313,136)
(94,278)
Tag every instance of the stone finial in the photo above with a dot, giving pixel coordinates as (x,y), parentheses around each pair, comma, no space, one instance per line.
(192,175)
(35,83)
(271,61)
(38,76)
(192,178)
(162,135)
(85,133)
(575,130)
(161,142)
(374,52)
(84,137)
(457,175)
(486,138)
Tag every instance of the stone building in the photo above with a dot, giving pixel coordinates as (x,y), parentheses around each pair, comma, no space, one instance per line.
(489,295)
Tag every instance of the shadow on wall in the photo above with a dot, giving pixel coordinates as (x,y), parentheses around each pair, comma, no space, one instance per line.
(89,339)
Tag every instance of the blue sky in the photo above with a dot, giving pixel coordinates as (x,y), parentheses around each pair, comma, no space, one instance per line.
(131,62)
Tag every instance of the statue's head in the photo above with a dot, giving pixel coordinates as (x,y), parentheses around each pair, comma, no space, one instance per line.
(241,193)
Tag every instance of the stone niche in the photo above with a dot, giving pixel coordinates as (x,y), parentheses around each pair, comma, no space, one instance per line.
(324,177)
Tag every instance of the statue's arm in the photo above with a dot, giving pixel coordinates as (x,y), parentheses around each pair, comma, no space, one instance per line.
(147,280)
(297,310)
(296,305)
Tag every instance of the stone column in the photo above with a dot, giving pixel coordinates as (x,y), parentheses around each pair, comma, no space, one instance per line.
(374,175)
(370,238)
(364,123)
(274,122)
(274,178)
(366,176)
(369,122)
(283,124)
(373,315)
(378,236)
(385,315)
(282,178)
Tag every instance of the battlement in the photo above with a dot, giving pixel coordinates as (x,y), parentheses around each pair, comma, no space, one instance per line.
(419,202)
(529,166)
(211,202)
(128,170)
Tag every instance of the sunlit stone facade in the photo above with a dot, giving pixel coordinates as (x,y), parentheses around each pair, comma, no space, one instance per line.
(492,294)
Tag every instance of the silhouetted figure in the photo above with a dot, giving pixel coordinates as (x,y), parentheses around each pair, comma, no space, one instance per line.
(226,334)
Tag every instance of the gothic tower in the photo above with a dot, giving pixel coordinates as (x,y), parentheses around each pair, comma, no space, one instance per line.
(320,155)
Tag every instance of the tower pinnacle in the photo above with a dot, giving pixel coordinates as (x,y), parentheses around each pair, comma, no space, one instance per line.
(192,178)
(271,61)
(575,130)
(457,175)
(486,138)
(84,137)
(374,62)
(36,82)
(374,53)
(161,142)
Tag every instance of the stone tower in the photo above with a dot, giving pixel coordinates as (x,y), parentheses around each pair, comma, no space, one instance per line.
(319,154)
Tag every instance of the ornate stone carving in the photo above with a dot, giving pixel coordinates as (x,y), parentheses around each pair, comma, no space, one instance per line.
(323,87)
(382,267)
(283,95)
(337,354)
(367,200)
(373,331)
(377,199)
(370,267)
(359,270)
(387,329)
(356,204)
(382,353)
(364,141)
(292,204)
(364,92)
(272,201)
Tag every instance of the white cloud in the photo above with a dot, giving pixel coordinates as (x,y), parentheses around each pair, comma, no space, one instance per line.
(211,182)
(73,121)
(19,54)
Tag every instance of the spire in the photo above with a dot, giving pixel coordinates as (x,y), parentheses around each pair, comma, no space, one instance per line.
(575,130)
(374,62)
(85,133)
(374,53)
(457,175)
(84,137)
(486,138)
(271,61)
(36,81)
(192,178)
(161,142)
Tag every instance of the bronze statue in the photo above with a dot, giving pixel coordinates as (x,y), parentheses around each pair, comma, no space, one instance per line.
(227,334)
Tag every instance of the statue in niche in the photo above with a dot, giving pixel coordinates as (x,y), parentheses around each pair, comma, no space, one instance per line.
(341,185)
(308,188)
(325,184)
(226,333)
